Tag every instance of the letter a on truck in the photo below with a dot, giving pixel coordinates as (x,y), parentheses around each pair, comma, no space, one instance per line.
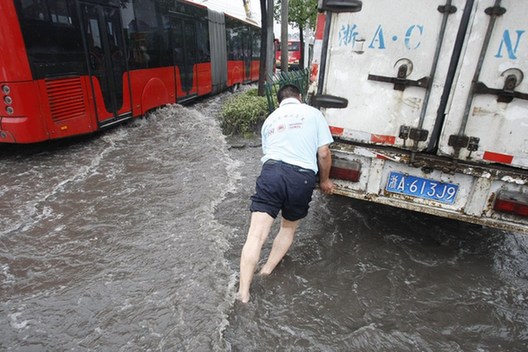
(428,105)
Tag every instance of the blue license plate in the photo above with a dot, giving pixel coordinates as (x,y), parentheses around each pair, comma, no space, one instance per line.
(422,188)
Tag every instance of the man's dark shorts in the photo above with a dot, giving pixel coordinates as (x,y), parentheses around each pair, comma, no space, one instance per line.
(285,187)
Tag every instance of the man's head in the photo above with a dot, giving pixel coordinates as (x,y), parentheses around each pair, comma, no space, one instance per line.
(288,91)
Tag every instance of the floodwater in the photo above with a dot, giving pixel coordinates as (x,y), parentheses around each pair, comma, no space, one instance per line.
(129,240)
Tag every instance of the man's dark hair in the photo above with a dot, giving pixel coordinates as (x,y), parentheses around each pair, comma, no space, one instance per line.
(288,91)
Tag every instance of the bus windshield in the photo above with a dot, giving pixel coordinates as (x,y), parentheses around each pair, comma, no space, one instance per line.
(293,46)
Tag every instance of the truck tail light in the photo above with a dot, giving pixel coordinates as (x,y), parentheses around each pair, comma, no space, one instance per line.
(512,202)
(345,170)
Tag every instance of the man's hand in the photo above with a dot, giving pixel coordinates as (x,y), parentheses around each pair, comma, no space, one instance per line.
(327,186)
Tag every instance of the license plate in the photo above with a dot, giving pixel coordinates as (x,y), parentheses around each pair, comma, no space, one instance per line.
(422,188)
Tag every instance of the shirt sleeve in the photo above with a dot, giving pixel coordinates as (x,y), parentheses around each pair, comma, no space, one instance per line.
(263,139)
(323,132)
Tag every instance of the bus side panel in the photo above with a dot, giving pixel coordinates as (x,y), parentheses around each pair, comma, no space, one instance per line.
(101,112)
(69,111)
(255,65)
(21,129)
(180,93)
(205,84)
(126,108)
(235,72)
(152,88)
(26,124)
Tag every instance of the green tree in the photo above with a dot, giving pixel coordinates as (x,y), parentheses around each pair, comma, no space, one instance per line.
(301,14)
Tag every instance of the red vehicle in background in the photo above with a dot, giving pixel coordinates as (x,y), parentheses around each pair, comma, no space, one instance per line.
(74,67)
(294,54)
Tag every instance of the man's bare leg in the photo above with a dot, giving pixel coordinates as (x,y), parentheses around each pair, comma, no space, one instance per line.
(258,233)
(281,244)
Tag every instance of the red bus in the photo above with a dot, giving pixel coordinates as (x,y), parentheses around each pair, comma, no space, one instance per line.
(72,67)
(294,54)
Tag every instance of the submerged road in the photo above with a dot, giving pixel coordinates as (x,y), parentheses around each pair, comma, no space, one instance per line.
(129,240)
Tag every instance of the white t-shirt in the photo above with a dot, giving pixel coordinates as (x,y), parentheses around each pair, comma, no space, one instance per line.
(293,133)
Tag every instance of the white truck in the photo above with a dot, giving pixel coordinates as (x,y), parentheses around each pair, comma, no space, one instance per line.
(428,105)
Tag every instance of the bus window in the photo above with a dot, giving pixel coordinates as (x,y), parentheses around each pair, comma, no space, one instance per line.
(52,36)
(255,44)
(34,10)
(146,37)
(202,36)
(59,12)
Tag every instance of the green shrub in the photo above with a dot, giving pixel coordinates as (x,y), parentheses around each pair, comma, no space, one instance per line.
(252,92)
(243,113)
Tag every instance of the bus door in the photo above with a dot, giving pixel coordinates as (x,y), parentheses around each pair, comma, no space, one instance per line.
(102,29)
(183,37)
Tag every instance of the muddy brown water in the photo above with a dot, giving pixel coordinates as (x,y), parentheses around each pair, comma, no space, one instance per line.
(129,240)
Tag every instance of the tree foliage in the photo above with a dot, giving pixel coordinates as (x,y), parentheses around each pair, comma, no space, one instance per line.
(301,13)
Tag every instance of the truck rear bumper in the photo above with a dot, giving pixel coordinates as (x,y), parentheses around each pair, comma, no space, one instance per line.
(477,186)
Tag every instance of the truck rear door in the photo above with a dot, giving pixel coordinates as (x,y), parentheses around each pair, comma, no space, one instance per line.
(390,61)
(487,120)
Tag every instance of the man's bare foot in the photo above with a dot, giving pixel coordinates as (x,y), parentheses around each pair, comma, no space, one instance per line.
(265,272)
(244,298)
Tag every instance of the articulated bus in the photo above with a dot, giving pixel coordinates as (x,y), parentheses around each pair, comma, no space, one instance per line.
(72,67)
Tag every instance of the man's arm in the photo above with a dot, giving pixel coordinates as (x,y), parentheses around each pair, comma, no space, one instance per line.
(324,159)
